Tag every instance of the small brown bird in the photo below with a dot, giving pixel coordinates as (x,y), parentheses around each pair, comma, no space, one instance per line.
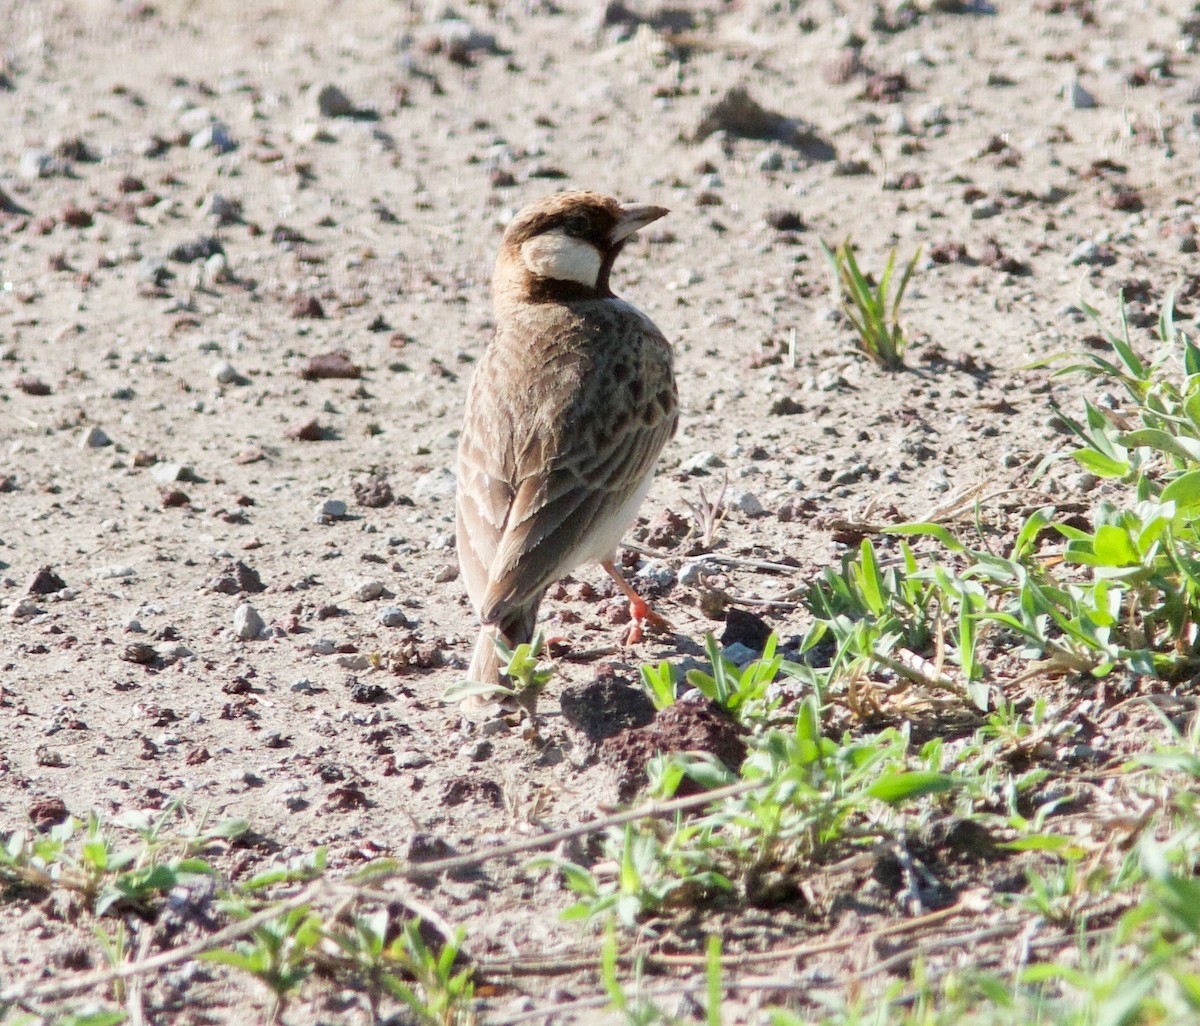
(566,415)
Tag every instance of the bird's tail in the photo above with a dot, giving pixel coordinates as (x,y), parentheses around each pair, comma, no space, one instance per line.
(515,629)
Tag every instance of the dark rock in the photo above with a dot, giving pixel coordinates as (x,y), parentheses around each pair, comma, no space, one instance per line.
(47,812)
(738,114)
(330,365)
(44,581)
(235,579)
(605,706)
(308,308)
(197,249)
(686,726)
(744,628)
(373,493)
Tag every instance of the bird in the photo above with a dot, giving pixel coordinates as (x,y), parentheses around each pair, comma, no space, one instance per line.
(565,416)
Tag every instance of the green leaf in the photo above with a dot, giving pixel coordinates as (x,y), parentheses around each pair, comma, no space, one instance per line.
(898,787)
(1184,448)
(1184,491)
(1114,547)
(1054,843)
(1100,464)
(461,689)
(933,530)
(869,578)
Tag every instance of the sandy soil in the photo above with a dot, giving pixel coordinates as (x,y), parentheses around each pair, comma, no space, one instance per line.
(194,221)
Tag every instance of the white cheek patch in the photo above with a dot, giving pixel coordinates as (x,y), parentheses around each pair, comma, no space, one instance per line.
(558,256)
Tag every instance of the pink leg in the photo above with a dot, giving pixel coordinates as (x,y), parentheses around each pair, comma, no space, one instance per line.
(639,610)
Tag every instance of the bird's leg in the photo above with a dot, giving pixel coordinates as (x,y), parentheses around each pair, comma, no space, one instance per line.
(639,609)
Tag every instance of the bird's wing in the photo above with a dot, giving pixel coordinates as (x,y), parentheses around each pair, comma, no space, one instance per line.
(532,494)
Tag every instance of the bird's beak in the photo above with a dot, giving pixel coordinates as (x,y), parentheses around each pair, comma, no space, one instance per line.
(632,219)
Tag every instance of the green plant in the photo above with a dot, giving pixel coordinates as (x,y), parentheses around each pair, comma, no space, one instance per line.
(526,675)
(743,692)
(108,869)
(873,309)
(278,953)
(659,683)
(651,874)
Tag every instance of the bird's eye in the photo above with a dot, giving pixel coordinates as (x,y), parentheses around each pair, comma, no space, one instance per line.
(577,224)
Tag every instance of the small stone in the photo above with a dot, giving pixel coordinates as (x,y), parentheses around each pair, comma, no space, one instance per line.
(330,365)
(656,576)
(739,654)
(114,572)
(366,692)
(743,502)
(329,509)
(368,590)
(1087,252)
(770,159)
(701,462)
(330,101)
(151,271)
(310,132)
(785,220)
(94,438)
(746,629)
(1082,482)
(830,381)
(31,385)
(437,484)
(476,751)
(221,209)
(393,616)
(785,406)
(225,373)
(216,269)
(36,164)
(169,473)
(76,217)
(1077,97)
(22,609)
(441,540)
(213,137)
(195,249)
(247,624)
(457,39)
(407,758)
(303,686)
(307,308)
(306,431)
(373,493)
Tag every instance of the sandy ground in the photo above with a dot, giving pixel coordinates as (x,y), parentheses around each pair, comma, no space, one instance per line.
(202,202)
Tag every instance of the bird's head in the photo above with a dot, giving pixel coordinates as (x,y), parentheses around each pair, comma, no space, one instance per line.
(562,247)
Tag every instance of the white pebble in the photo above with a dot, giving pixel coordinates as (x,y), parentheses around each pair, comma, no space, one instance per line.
(703,460)
(367,590)
(437,484)
(22,609)
(743,502)
(170,472)
(247,624)
(329,509)
(225,372)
